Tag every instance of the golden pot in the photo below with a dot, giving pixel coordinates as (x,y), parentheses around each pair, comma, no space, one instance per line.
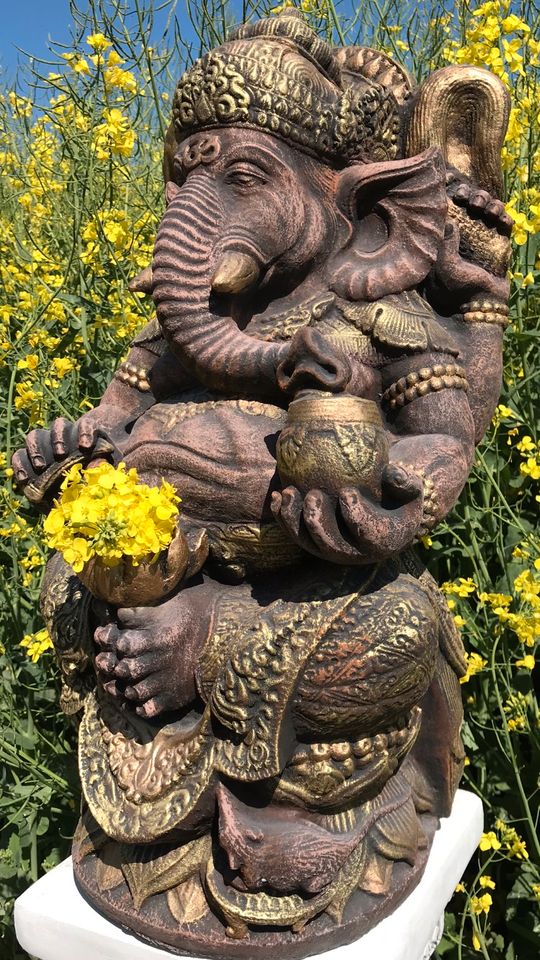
(333,441)
(151,581)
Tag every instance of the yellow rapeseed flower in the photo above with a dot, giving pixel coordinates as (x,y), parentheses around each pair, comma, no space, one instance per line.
(481,904)
(36,644)
(528,662)
(489,841)
(462,587)
(486,881)
(106,512)
(98,42)
(475,663)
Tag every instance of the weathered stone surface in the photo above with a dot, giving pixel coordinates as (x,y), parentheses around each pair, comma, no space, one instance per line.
(265,753)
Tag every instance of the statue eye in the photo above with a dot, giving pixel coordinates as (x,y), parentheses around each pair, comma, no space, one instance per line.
(244,177)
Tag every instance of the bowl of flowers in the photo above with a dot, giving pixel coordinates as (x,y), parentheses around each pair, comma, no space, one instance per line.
(121,536)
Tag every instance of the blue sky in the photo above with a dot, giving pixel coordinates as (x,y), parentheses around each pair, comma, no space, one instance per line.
(28,24)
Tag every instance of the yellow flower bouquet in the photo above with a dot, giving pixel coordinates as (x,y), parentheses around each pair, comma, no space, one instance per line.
(119,535)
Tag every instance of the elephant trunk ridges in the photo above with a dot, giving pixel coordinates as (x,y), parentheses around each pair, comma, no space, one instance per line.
(209,344)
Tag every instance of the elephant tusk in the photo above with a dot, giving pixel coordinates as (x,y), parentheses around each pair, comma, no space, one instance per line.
(143,282)
(235,273)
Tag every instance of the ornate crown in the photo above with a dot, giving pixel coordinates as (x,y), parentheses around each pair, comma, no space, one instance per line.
(276,75)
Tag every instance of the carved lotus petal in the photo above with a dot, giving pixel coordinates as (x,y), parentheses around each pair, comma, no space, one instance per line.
(147,875)
(187,901)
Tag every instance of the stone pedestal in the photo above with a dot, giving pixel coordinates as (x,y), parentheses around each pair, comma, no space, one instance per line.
(54,922)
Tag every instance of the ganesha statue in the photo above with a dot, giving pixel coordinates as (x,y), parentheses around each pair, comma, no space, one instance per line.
(266,749)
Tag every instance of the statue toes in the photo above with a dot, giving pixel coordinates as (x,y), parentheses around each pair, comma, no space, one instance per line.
(152,708)
(147,689)
(112,688)
(135,668)
(106,664)
(462,194)
(132,643)
(132,616)
(105,637)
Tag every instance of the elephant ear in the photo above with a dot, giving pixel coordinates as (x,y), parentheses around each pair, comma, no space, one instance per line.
(397,212)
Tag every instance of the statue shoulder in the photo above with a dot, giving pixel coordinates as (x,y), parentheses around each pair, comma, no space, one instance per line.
(403,321)
(151,338)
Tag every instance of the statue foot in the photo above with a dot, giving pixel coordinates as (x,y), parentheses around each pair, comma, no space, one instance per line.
(148,657)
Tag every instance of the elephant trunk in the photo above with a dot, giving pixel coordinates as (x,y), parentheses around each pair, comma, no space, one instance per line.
(207,342)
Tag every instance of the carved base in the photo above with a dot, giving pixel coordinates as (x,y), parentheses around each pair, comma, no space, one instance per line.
(54,922)
(206,936)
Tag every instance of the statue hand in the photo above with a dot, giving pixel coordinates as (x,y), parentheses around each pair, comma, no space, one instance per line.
(355,529)
(46,450)
(483,206)
(453,274)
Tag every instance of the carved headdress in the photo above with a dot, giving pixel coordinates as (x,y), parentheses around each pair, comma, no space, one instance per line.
(278,76)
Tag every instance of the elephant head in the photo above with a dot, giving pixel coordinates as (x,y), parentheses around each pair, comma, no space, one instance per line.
(283,183)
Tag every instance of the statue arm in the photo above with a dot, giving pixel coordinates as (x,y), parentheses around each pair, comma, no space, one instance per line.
(149,375)
(431,432)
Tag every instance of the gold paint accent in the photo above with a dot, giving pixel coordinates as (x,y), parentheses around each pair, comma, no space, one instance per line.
(463,110)
(332,441)
(343,407)
(235,273)
(489,248)
(424,381)
(187,902)
(136,377)
(65,605)
(251,546)
(268,83)
(403,321)
(139,781)
(254,687)
(147,871)
(127,585)
(320,783)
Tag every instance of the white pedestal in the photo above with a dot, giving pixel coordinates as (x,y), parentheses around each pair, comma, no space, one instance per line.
(53,921)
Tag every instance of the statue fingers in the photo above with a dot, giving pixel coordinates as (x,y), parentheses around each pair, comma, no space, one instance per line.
(379,532)
(320,520)
(400,484)
(287,508)
(135,668)
(86,434)
(39,449)
(62,437)
(22,468)
(112,688)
